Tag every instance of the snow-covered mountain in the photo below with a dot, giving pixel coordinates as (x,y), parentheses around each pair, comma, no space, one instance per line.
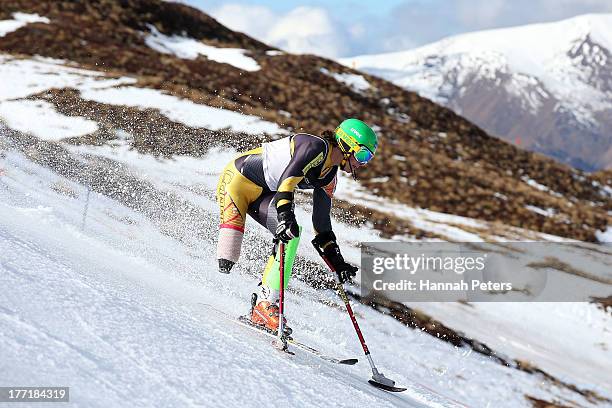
(547,87)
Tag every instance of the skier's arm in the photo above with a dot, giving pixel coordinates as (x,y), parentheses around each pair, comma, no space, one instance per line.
(321,205)
(326,241)
(321,209)
(325,238)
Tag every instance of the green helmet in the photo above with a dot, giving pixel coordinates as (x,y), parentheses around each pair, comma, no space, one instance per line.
(357,138)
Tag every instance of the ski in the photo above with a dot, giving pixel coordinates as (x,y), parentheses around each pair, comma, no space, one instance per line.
(247,322)
(385,387)
(244,321)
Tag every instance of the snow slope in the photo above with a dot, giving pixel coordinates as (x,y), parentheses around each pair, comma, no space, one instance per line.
(111,309)
(113,312)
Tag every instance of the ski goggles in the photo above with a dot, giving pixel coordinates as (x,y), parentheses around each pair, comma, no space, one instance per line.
(361,153)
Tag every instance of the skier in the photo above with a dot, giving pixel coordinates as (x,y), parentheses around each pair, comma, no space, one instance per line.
(261,183)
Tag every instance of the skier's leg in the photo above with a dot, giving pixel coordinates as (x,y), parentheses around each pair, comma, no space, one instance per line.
(271,275)
(234,194)
(264,212)
(265,308)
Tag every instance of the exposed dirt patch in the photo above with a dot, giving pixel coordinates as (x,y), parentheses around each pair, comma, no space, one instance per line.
(538,403)
(605,303)
(554,263)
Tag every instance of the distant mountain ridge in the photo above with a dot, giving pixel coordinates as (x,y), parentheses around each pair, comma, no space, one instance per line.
(547,87)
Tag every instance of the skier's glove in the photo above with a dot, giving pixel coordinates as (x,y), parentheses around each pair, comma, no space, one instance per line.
(326,241)
(288,227)
(345,271)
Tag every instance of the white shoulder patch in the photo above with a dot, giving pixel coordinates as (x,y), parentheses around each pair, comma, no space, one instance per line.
(276,157)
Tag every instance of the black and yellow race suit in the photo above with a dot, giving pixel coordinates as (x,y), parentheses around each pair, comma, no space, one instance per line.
(260,181)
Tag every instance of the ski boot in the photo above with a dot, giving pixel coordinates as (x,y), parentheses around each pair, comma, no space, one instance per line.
(264,314)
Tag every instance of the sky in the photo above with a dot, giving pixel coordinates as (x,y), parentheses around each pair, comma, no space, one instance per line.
(346,28)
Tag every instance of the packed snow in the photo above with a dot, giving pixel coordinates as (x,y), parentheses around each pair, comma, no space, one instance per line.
(549,212)
(274,53)
(569,339)
(182,110)
(189,48)
(111,307)
(539,186)
(604,236)
(355,82)
(42,120)
(25,77)
(20,20)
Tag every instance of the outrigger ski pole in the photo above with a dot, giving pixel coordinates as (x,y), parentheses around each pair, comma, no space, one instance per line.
(378,379)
